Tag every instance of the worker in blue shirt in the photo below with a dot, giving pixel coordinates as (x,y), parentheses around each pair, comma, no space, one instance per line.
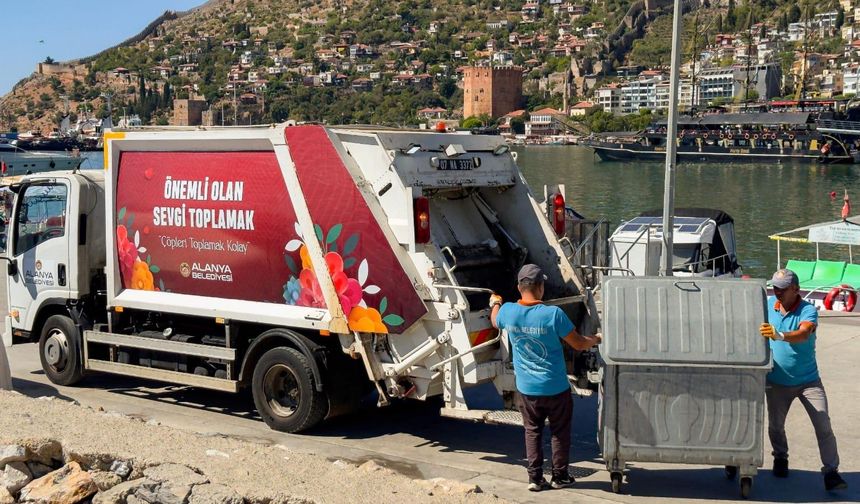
(536,332)
(791,329)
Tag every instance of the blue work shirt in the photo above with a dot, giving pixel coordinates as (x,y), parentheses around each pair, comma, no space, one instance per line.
(793,363)
(535,332)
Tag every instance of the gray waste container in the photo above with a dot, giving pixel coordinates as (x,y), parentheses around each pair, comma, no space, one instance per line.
(685,372)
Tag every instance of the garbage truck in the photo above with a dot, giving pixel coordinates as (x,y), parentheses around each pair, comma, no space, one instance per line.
(307,264)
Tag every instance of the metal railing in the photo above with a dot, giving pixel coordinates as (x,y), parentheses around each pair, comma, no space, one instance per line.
(589,242)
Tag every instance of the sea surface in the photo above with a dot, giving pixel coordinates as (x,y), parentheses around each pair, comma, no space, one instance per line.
(762,198)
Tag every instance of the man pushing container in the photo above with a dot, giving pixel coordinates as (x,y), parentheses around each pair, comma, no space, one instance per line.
(535,332)
(791,326)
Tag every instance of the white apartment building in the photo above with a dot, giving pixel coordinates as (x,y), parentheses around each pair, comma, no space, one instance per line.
(638,94)
(609,98)
(796,32)
(851,80)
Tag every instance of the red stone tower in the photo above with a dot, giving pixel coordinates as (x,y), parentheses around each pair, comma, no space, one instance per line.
(494,91)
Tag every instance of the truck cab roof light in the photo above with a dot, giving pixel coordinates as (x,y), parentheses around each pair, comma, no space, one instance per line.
(501,149)
(454,150)
(411,149)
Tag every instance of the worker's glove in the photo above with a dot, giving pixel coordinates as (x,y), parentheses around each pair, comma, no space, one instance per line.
(598,338)
(769,331)
(495,299)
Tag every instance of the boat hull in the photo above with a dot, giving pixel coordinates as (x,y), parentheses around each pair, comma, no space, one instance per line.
(22,163)
(626,152)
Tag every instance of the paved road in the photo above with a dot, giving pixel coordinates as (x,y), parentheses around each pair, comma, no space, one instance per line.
(413,439)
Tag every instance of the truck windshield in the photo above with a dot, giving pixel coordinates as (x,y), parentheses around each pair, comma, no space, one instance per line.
(42,216)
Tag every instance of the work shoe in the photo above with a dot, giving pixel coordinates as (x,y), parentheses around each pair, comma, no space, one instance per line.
(537,486)
(780,467)
(833,481)
(565,481)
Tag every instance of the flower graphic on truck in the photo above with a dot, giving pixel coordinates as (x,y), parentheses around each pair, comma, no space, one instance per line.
(349,276)
(136,273)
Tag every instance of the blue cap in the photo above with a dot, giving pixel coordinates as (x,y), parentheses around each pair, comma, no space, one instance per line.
(784,278)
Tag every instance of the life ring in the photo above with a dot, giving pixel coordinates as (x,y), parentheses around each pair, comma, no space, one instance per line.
(773,136)
(704,135)
(722,135)
(729,136)
(747,136)
(791,136)
(755,136)
(850,297)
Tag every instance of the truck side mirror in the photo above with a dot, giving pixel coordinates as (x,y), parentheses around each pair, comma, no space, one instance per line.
(12,268)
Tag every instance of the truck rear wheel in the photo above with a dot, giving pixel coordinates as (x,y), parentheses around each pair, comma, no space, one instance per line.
(59,350)
(284,391)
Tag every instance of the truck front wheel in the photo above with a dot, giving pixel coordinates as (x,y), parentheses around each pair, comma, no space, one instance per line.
(59,350)
(284,392)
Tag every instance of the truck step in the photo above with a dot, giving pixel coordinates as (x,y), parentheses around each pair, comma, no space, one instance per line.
(496,417)
(192,380)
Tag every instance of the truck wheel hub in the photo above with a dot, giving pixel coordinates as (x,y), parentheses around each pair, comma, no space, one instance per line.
(281,388)
(56,349)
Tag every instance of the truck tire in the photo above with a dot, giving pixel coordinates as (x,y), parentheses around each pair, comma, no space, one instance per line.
(284,392)
(59,350)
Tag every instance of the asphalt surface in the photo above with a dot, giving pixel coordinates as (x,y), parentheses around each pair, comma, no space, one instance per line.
(412,438)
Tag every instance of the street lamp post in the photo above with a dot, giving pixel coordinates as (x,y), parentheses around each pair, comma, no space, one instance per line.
(671,146)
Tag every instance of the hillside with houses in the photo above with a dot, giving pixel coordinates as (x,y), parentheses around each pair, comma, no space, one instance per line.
(598,65)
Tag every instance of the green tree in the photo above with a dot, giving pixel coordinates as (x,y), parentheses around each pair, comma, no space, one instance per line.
(730,16)
(783,23)
(49,61)
(471,122)
(794,13)
(840,17)
(518,125)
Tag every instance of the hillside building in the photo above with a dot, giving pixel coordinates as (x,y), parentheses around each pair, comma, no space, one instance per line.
(494,91)
(188,112)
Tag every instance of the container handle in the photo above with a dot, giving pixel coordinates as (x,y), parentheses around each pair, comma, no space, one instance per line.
(693,287)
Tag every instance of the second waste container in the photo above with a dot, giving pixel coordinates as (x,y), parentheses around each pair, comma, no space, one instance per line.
(685,372)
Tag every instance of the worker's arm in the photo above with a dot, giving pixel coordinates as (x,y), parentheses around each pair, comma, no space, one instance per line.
(800,335)
(495,305)
(580,342)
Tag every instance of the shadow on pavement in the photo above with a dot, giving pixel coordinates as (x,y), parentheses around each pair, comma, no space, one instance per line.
(711,484)
(499,443)
(36,389)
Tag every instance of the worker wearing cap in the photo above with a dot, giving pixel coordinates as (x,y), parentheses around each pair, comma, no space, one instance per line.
(535,332)
(791,329)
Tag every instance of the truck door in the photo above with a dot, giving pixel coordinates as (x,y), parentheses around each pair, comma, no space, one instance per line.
(39,250)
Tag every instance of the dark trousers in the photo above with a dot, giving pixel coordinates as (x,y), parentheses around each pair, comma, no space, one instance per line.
(536,410)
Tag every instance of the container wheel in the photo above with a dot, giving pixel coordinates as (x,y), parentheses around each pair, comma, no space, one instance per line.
(616,479)
(284,391)
(59,350)
(746,486)
(731,472)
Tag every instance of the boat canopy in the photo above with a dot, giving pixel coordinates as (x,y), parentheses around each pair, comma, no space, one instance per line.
(750,119)
(840,232)
(717,216)
(723,243)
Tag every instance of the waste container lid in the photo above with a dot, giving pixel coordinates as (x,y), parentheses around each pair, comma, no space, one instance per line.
(684,321)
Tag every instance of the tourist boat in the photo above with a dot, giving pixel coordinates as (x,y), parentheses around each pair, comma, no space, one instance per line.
(740,137)
(704,244)
(827,283)
(16,161)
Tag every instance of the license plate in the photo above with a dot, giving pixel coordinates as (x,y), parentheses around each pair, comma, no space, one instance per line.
(456,164)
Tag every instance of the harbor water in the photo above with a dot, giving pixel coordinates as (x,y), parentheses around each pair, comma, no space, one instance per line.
(762,198)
